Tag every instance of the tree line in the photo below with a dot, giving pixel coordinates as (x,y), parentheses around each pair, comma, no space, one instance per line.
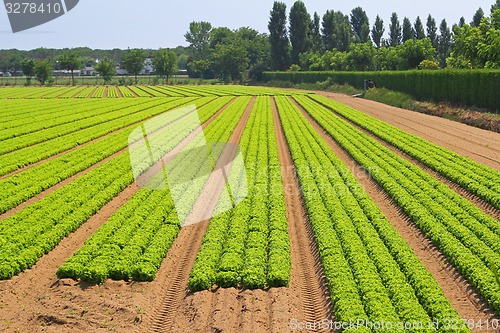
(296,40)
(41,63)
(342,42)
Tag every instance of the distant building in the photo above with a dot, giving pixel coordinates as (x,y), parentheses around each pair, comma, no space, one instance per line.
(120,71)
(88,70)
(148,67)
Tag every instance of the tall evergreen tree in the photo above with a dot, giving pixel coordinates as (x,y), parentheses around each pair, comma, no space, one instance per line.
(462,22)
(360,25)
(408,31)
(327,30)
(278,37)
(342,31)
(336,31)
(315,33)
(419,29)
(300,22)
(478,16)
(445,40)
(394,30)
(432,31)
(378,31)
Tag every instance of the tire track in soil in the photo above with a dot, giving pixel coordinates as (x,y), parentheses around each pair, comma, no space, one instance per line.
(463,297)
(175,269)
(307,273)
(36,298)
(486,207)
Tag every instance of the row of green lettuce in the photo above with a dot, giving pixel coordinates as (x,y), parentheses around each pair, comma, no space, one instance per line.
(467,87)
(111,92)
(372,274)
(249,246)
(468,237)
(108,113)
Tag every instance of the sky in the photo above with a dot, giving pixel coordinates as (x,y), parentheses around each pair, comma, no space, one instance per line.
(162,23)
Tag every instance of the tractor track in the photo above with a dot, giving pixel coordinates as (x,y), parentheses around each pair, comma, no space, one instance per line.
(180,260)
(307,271)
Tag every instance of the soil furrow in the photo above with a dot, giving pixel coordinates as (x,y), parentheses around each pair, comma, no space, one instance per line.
(307,275)
(173,286)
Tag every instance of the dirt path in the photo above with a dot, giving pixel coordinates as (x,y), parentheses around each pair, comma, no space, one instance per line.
(464,299)
(307,279)
(37,301)
(170,300)
(478,144)
(118,92)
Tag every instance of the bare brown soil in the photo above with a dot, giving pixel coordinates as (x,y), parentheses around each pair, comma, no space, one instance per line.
(119,92)
(92,92)
(478,144)
(462,295)
(170,299)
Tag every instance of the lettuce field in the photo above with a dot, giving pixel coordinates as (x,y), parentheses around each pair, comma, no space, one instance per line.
(341,218)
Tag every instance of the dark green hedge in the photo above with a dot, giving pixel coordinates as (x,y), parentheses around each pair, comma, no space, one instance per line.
(468,87)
